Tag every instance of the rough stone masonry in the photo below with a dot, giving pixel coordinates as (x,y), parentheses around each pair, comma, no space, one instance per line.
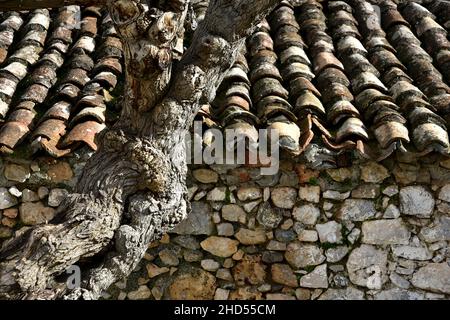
(369,231)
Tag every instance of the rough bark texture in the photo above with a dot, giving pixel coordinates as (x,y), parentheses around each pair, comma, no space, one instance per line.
(133,189)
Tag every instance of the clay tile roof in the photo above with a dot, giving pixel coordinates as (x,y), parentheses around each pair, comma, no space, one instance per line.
(366,77)
(56,70)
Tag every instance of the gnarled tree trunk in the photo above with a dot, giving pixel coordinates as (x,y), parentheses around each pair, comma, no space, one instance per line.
(133,188)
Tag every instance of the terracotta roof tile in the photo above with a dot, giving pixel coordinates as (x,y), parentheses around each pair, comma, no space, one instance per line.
(83,133)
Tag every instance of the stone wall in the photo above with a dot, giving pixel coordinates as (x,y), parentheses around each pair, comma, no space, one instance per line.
(370,231)
(30,190)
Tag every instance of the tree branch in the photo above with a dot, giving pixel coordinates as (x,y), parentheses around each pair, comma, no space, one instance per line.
(150,37)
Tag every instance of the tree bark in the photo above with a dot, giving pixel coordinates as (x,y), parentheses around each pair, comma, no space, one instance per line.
(133,188)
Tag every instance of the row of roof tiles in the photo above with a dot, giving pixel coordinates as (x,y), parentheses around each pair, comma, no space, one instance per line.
(346,75)
(56,66)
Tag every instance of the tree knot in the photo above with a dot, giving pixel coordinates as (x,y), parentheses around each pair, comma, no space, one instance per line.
(114,140)
(152,164)
(124,12)
(211,48)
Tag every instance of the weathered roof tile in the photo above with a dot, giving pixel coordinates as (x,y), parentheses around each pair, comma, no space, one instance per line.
(11,133)
(60,110)
(36,93)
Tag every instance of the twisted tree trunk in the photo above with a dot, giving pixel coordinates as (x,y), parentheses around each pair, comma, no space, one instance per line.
(133,188)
